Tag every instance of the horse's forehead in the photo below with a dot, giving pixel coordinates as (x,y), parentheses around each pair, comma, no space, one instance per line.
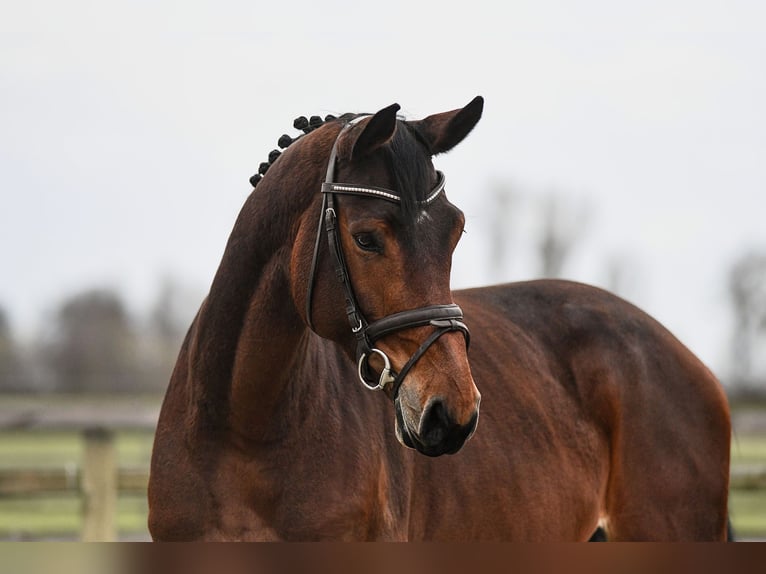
(429,231)
(423,222)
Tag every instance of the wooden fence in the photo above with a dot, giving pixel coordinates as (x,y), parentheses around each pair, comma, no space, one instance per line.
(98,479)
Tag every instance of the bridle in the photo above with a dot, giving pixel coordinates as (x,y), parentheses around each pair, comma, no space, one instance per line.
(444,318)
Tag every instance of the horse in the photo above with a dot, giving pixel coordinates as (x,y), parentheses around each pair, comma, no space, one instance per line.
(334,283)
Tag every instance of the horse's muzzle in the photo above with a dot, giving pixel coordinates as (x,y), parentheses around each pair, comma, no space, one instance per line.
(437,432)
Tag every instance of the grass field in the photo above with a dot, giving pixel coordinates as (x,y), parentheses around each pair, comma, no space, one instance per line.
(748,507)
(59,516)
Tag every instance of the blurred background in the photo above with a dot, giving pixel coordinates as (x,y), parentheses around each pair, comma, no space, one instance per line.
(621,145)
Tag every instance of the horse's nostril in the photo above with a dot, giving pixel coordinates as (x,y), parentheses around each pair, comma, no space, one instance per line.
(435,423)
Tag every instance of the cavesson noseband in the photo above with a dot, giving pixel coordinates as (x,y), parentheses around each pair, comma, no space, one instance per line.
(444,318)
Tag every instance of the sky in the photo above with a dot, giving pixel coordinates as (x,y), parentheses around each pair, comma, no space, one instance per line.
(129,129)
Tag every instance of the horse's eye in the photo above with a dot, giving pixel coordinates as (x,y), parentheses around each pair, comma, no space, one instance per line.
(367,242)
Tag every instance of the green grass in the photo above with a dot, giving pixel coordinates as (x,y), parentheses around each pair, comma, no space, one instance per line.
(39,449)
(748,507)
(748,513)
(750,450)
(54,516)
(43,516)
(57,449)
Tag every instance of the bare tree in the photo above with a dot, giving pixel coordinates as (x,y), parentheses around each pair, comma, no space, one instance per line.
(92,345)
(543,227)
(562,225)
(623,274)
(503,202)
(747,289)
(12,376)
(168,320)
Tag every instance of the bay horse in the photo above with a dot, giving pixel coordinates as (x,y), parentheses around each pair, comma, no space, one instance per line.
(337,272)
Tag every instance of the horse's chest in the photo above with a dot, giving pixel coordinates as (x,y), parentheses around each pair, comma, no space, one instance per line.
(283,499)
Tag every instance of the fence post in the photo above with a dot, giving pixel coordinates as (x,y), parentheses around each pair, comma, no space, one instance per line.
(99,483)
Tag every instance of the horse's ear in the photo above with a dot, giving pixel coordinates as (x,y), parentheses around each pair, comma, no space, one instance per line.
(378,131)
(444,131)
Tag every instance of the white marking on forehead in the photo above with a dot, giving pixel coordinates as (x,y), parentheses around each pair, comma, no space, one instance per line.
(423,217)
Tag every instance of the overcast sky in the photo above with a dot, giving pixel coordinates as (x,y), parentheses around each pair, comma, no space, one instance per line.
(129,129)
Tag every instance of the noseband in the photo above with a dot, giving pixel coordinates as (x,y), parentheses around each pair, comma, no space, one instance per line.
(444,318)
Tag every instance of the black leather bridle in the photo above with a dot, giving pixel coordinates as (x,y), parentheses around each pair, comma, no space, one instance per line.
(444,318)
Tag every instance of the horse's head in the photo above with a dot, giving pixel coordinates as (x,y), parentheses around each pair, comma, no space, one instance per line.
(387,232)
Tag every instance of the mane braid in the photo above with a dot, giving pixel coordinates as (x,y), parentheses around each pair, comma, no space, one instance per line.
(306,125)
(406,157)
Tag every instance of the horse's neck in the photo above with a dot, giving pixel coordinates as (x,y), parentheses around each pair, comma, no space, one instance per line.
(248,331)
(270,344)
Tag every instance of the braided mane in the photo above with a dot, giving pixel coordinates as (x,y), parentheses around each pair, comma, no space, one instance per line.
(406,156)
(300,123)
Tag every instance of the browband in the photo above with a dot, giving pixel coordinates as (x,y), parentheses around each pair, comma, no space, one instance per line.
(381,192)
